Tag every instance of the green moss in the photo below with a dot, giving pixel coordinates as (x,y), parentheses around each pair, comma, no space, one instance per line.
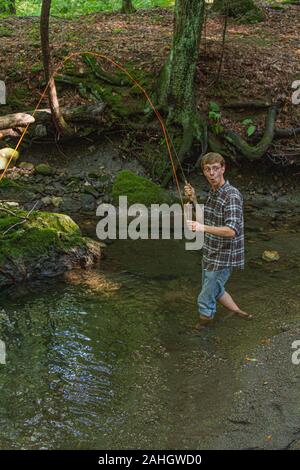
(9,183)
(41,233)
(123,100)
(138,190)
(44,169)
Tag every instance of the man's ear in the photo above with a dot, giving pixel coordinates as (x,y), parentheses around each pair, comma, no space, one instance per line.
(223,169)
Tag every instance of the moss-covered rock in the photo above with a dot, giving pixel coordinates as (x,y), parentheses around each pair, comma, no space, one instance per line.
(26,166)
(45,244)
(44,169)
(138,190)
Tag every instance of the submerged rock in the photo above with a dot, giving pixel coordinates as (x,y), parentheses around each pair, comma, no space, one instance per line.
(270,255)
(52,200)
(26,166)
(44,245)
(44,169)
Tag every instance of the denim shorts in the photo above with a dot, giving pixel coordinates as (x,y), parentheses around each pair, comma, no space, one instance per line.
(213,283)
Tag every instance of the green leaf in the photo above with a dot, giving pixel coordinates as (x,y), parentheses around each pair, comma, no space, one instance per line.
(251,130)
(213,115)
(213,106)
(219,129)
(247,121)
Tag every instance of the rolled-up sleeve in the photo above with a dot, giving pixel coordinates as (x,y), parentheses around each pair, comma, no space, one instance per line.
(233,213)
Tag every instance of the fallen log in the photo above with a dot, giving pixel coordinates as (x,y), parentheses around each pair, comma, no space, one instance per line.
(11,132)
(12,124)
(283,133)
(16,120)
(91,113)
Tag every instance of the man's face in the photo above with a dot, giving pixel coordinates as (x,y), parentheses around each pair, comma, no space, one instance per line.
(214,173)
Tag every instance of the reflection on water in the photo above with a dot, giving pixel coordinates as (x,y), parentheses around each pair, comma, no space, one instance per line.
(109,360)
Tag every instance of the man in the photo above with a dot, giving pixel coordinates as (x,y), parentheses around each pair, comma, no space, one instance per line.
(223,248)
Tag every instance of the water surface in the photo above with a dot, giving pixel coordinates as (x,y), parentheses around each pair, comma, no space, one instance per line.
(108,358)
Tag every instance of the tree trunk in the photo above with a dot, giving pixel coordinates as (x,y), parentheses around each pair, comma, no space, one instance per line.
(176,82)
(175,93)
(127,6)
(236,8)
(58,119)
(8,6)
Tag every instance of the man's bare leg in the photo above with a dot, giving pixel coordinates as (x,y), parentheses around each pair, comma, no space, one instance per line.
(230,304)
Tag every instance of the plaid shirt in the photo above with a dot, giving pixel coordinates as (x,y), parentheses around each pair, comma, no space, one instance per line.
(224,207)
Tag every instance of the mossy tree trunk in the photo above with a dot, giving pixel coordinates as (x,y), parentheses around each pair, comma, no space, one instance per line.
(234,8)
(8,6)
(127,6)
(60,124)
(176,82)
(175,91)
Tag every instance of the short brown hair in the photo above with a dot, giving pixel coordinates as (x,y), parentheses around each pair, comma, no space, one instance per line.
(212,157)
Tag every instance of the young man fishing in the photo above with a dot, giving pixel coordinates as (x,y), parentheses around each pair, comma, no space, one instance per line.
(223,248)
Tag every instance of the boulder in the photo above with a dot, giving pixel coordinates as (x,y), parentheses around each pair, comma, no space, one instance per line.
(44,169)
(45,245)
(138,190)
(5,155)
(26,166)
(270,255)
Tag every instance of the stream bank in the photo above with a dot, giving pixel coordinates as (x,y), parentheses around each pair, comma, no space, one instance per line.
(76,178)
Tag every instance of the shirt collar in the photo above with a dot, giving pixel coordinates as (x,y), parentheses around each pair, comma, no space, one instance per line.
(219,190)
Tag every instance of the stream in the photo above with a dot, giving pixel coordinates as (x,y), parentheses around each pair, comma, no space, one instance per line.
(108,359)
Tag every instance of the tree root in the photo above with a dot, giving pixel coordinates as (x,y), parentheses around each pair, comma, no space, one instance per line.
(283,133)
(254,152)
(256,104)
(194,129)
(91,62)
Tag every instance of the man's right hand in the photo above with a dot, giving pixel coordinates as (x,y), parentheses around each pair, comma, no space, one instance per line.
(189,192)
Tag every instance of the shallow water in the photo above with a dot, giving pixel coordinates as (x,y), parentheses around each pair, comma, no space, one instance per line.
(108,359)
